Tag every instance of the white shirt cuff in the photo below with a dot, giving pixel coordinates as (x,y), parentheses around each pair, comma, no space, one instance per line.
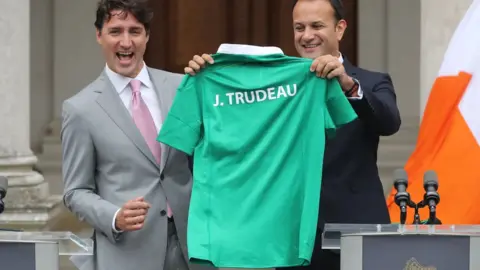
(113,222)
(359,93)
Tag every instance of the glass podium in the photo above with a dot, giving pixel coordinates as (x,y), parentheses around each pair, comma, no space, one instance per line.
(396,246)
(40,250)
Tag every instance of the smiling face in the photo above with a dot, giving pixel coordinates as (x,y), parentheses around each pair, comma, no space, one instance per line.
(316,30)
(124,40)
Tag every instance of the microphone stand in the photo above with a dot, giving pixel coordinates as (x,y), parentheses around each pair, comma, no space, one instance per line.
(432,219)
(403,211)
(403,214)
(416,218)
(416,206)
(2,204)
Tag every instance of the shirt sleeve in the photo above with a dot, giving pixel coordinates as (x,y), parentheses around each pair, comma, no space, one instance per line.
(338,110)
(182,127)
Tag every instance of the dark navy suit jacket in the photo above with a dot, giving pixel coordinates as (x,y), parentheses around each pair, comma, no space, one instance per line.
(351,188)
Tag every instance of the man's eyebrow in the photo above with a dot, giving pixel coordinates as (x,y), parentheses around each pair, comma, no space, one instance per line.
(123,27)
(302,22)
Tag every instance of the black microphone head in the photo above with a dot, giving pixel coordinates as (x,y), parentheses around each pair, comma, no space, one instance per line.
(3,186)
(430,178)
(400,177)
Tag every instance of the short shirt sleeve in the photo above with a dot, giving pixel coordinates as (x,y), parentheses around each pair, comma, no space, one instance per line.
(182,127)
(338,110)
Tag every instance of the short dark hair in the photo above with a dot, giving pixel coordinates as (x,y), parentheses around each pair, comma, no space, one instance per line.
(337,6)
(138,8)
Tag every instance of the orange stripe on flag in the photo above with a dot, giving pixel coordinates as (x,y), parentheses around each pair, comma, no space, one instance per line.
(445,144)
(444,98)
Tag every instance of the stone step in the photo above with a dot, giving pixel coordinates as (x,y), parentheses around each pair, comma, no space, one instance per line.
(385,172)
(21,193)
(50,157)
(400,138)
(52,146)
(46,165)
(50,160)
(52,139)
(55,183)
(395,153)
(388,167)
(408,134)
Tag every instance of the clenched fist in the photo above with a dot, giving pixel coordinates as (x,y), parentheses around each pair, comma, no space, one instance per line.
(131,216)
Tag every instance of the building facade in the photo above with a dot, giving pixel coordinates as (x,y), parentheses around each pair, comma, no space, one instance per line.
(49,52)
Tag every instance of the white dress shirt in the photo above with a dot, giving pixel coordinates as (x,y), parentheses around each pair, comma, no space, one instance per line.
(124,90)
(122,85)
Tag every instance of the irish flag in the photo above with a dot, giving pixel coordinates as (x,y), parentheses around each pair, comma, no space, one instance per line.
(449,136)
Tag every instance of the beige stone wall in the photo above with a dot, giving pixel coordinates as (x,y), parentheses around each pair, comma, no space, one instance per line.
(41,70)
(439,20)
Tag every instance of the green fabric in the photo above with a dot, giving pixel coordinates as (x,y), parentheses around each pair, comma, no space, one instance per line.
(258,158)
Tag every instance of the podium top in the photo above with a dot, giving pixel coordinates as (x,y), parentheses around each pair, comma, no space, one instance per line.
(333,232)
(68,243)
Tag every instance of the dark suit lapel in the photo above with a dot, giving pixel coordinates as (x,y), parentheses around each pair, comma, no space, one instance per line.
(349,68)
(164,100)
(110,102)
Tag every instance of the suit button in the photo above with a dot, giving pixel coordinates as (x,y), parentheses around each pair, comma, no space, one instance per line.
(162,176)
(163,212)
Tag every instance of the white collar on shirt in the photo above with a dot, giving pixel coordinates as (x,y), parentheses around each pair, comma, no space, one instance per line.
(120,82)
(248,49)
(228,48)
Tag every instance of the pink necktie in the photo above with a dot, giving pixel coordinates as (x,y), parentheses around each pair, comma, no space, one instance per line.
(144,122)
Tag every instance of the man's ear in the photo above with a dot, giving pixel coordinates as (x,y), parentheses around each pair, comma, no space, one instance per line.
(98,34)
(340,29)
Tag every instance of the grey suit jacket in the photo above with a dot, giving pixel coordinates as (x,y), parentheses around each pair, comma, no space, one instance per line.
(106,162)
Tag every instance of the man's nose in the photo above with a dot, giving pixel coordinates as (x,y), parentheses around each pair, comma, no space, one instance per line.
(308,35)
(126,40)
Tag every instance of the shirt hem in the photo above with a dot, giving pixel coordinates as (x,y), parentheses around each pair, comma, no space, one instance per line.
(221,264)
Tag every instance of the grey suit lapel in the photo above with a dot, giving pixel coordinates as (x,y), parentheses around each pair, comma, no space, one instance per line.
(111,103)
(159,83)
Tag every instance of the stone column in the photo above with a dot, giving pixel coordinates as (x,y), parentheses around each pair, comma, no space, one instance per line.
(28,203)
(72,72)
(439,20)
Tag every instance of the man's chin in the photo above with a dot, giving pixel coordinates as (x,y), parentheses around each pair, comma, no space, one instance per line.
(126,71)
(310,55)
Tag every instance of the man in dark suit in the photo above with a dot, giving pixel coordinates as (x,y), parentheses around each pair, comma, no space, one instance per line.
(351,190)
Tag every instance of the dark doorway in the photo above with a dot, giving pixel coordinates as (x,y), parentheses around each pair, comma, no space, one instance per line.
(183,28)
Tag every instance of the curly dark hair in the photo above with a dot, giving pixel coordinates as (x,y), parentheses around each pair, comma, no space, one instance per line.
(138,8)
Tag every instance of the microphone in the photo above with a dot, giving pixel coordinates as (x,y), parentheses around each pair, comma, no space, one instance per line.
(402,197)
(431,197)
(3,191)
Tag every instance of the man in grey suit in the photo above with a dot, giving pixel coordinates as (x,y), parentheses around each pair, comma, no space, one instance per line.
(133,191)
